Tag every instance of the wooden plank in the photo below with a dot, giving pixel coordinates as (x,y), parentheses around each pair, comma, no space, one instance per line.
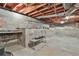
(33,8)
(46,8)
(52,10)
(19,7)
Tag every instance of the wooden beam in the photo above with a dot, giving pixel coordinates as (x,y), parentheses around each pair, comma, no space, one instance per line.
(18,7)
(10,5)
(29,9)
(43,9)
(38,11)
(4,5)
(59,11)
(52,10)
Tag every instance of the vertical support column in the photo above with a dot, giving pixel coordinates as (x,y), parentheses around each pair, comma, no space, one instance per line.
(27,37)
(21,38)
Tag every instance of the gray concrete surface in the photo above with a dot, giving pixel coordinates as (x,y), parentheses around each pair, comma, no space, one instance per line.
(62,41)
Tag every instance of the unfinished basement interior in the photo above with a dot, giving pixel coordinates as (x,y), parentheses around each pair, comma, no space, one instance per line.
(39,29)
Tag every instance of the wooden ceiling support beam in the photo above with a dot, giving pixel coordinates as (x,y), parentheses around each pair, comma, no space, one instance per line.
(52,10)
(4,5)
(19,7)
(43,9)
(34,9)
(59,11)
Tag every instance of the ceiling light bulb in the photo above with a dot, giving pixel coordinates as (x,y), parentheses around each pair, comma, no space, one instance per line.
(67,17)
(62,22)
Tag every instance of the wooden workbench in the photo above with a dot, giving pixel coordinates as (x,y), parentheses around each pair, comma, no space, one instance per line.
(13,34)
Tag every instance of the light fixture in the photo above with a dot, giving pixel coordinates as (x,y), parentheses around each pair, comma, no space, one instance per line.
(62,22)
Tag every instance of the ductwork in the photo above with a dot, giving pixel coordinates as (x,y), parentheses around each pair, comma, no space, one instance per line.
(77,5)
(67,5)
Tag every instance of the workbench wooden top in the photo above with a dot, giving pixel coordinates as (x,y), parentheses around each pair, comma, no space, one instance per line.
(10,31)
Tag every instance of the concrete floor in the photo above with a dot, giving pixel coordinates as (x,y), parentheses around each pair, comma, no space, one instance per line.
(60,42)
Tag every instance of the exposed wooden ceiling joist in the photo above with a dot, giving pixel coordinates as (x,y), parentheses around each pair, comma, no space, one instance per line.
(10,5)
(19,7)
(59,11)
(52,10)
(29,9)
(4,5)
(42,10)
(38,11)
